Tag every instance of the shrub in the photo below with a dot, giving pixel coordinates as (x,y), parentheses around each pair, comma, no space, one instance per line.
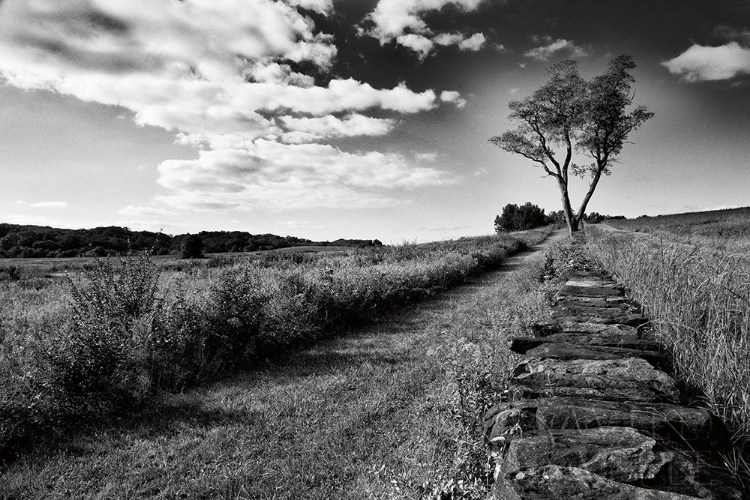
(104,356)
(191,247)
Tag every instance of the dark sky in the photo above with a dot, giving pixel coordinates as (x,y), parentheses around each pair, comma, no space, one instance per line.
(349,118)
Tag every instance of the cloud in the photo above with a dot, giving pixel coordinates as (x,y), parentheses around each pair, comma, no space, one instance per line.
(431,157)
(306,129)
(544,52)
(401,20)
(392,18)
(418,43)
(45,204)
(221,75)
(275,176)
(301,224)
(729,33)
(133,210)
(473,43)
(699,63)
(324,7)
(454,97)
(30,220)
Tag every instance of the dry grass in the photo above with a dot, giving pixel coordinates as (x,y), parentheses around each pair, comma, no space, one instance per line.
(699,299)
(388,411)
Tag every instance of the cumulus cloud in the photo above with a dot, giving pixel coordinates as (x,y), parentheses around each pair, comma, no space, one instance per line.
(473,43)
(320,6)
(418,43)
(276,176)
(401,20)
(551,47)
(308,129)
(454,97)
(219,74)
(700,63)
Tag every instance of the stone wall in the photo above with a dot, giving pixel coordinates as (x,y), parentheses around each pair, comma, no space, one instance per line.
(591,411)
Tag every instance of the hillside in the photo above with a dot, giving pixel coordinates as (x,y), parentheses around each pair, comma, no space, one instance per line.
(18,241)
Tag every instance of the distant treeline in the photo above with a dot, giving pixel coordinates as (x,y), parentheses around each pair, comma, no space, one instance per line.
(41,241)
(530,216)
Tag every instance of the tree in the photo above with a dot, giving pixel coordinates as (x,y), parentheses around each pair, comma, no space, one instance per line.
(191,247)
(515,218)
(571,113)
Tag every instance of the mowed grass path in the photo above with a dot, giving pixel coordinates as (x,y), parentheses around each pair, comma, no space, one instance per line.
(382,412)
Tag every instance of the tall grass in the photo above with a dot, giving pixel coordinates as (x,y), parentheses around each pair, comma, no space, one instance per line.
(117,334)
(699,301)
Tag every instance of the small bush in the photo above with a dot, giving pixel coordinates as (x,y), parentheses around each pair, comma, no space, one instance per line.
(105,355)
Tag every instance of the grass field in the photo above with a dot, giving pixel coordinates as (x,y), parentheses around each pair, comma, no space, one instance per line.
(58,266)
(120,333)
(719,229)
(387,410)
(692,277)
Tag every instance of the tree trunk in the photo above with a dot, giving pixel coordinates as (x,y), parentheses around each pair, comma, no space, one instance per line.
(592,187)
(567,210)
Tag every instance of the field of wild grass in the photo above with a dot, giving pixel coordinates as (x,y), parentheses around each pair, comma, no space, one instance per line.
(91,344)
(697,292)
(719,229)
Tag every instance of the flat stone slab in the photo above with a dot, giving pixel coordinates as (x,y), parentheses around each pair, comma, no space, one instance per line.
(694,426)
(569,350)
(615,319)
(619,453)
(591,281)
(590,291)
(573,274)
(593,301)
(553,482)
(550,328)
(630,379)
(627,340)
(574,307)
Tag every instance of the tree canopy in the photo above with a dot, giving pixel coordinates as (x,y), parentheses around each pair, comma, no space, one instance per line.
(520,218)
(569,113)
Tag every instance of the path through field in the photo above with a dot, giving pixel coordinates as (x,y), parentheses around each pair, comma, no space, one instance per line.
(374,414)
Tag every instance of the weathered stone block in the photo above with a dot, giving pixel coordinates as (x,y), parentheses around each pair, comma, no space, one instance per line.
(619,453)
(693,426)
(548,328)
(623,319)
(590,291)
(628,340)
(555,482)
(568,350)
(630,379)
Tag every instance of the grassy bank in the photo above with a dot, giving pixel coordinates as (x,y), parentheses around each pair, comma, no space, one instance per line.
(117,335)
(390,410)
(699,300)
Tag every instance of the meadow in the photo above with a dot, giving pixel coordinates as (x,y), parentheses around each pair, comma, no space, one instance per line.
(691,273)
(720,229)
(122,331)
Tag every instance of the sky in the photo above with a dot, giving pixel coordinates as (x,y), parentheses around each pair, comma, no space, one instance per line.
(328,119)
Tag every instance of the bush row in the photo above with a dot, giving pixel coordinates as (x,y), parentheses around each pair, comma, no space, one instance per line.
(122,335)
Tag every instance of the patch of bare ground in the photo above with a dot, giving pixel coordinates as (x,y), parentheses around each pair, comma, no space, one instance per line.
(392,410)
